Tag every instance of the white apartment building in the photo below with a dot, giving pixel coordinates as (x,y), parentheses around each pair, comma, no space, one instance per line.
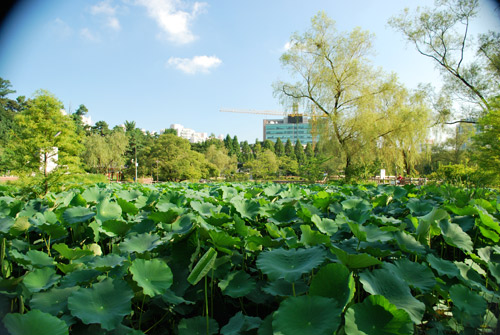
(189,134)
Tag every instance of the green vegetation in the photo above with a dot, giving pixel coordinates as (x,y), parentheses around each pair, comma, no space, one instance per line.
(250,259)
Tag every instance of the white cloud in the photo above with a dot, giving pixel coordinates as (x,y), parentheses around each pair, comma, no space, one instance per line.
(60,28)
(113,23)
(288,45)
(196,64)
(88,35)
(104,8)
(172,18)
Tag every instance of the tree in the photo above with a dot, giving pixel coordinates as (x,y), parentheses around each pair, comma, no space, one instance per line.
(486,143)
(264,166)
(309,152)
(443,34)
(77,117)
(269,145)
(334,77)
(279,149)
(299,152)
(103,153)
(45,137)
(407,114)
(289,152)
(218,157)
(101,128)
(236,146)
(177,162)
(8,110)
(246,152)
(256,148)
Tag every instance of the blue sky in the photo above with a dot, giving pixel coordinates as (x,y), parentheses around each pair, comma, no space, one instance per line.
(159,62)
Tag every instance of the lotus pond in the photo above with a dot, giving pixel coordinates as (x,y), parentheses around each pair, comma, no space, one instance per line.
(250,259)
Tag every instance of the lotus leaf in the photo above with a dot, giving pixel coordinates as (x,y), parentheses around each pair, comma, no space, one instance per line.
(107,262)
(35,322)
(105,303)
(70,254)
(39,259)
(240,323)
(311,237)
(414,274)
(334,281)
(467,301)
(307,315)
(355,261)
(127,206)
(204,265)
(54,301)
(325,225)
(40,279)
(377,316)
(198,326)
(384,282)
(455,236)
(442,266)
(77,214)
(237,284)
(284,288)
(107,210)
(154,276)
(246,208)
(140,243)
(289,264)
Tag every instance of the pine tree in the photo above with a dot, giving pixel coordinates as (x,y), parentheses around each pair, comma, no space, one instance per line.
(269,145)
(246,152)
(299,152)
(279,149)
(289,149)
(309,150)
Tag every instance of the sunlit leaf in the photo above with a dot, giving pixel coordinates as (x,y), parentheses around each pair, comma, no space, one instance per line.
(154,276)
(204,265)
(40,279)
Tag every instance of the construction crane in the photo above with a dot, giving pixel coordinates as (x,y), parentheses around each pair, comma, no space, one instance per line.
(295,112)
(250,111)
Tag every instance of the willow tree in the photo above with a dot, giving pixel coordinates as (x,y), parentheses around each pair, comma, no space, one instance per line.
(443,34)
(335,76)
(408,117)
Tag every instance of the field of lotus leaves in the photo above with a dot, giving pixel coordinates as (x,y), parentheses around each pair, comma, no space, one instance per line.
(261,259)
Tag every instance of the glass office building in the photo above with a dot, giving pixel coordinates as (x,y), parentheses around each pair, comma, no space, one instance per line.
(295,127)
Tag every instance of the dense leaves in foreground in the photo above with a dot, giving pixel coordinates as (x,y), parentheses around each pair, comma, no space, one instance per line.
(251,259)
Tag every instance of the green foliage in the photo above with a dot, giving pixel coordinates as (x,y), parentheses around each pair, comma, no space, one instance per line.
(251,259)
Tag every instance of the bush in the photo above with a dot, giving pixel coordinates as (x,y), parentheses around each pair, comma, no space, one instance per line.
(460,174)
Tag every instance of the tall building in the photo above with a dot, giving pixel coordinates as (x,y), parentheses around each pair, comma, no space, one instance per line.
(293,127)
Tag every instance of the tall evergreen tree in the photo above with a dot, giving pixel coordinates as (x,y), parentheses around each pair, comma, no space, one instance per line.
(289,149)
(309,150)
(279,149)
(236,146)
(228,144)
(269,145)
(299,152)
(246,152)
